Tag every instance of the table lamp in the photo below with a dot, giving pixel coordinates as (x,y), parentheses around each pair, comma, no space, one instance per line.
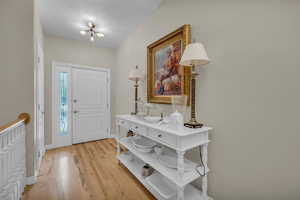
(194,55)
(136,75)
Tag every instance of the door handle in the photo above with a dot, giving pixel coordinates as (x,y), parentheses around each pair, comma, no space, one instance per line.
(75,111)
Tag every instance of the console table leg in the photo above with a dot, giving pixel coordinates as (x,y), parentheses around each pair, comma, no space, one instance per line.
(180,166)
(180,193)
(204,178)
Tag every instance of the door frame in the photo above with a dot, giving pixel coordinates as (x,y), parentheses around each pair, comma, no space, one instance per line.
(39,107)
(55,65)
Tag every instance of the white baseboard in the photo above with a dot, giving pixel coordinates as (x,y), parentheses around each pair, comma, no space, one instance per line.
(31,180)
(55,146)
(43,151)
(112,136)
(52,146)
(49,146)
(40,160)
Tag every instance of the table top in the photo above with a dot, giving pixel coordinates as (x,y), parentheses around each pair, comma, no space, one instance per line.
(164,127)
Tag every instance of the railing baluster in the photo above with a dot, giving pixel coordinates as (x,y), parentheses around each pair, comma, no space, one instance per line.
(12,159)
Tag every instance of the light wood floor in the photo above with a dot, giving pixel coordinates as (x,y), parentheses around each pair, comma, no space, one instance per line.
(88,171)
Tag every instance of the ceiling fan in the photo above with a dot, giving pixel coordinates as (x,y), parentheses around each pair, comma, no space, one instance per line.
(91,32)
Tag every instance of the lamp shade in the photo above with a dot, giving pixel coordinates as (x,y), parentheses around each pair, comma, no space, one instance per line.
(194,54)
(136,74)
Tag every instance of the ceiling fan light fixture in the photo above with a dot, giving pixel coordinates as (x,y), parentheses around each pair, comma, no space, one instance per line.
(91,32)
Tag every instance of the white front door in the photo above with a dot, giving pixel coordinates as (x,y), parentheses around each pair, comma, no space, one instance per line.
(90,105)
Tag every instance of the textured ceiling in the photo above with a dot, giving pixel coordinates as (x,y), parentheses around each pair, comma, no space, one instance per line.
(115,18)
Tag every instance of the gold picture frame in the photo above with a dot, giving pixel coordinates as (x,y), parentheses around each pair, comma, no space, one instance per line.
(165,76)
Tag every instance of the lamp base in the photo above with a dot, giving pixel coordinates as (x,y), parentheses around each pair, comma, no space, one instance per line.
(193,124)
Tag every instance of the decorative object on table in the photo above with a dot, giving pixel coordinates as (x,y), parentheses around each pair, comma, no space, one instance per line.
(91,32)
(194,55)
(164,120)
(136,75)
(147,170)
(165,76)
(130,133)
(179,107)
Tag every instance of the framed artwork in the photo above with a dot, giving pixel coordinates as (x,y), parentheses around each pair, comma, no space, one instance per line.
(166,77)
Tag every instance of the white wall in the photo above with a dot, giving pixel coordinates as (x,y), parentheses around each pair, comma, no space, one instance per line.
(249,93)
(74,52)
(17,67)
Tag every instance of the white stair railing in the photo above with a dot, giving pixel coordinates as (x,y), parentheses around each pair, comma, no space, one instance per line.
(12,158)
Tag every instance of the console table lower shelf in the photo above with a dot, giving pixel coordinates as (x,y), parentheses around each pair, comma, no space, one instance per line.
(135,167)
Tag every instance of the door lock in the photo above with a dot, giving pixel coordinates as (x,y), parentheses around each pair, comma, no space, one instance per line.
(75,111)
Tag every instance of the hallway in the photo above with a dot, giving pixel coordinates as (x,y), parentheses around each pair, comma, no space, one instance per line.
(88,171)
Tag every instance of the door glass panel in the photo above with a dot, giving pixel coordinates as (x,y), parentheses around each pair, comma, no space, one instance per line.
(63,107)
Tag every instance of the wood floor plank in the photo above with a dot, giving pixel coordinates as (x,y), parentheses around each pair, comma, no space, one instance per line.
(87,171)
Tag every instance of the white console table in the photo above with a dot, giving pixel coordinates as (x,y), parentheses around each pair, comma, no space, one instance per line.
(180,141)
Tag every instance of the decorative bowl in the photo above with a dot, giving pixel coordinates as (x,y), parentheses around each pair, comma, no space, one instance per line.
(143,143)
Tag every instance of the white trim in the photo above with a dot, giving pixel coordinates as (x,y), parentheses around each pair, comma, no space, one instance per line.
(56,64)
(109,101)
(43,151)
(112,136)
(54,146)
(49,146)
(31,180)
(38,67)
